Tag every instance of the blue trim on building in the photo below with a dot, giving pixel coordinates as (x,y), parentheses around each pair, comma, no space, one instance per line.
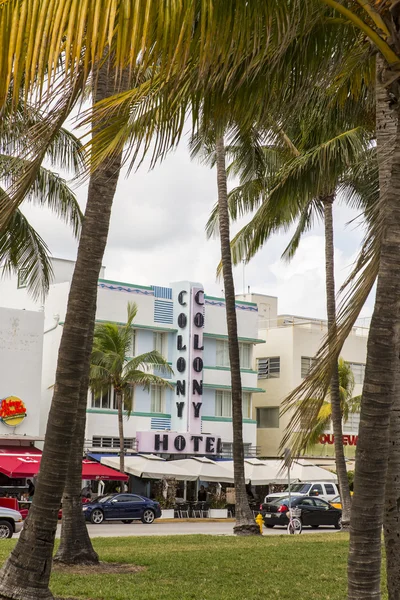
(124,288)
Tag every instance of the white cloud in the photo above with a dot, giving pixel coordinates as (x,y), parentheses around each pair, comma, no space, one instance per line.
(157,236)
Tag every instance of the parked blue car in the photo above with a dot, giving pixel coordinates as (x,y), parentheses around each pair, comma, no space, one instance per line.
(122,507)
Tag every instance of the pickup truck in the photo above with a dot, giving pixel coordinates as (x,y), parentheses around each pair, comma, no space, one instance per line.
(11,522)
(323,489)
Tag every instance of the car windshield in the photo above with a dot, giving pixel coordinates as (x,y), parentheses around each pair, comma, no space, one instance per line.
(299,488)
(102,499)
(335,500)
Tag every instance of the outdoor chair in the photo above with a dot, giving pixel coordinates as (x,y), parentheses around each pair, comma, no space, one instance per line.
(205,509)
(184,511)
(196,510)
(176,511)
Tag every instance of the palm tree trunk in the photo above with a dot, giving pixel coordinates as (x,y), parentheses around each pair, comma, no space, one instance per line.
(392,501)
(121,435)
(245,524)
(337,416)
(26,574)
(75,544)
(386,136)
(364,565)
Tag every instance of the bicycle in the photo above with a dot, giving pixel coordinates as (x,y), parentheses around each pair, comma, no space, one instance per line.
(294,526)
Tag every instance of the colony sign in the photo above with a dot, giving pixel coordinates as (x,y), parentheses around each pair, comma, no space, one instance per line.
(185,436)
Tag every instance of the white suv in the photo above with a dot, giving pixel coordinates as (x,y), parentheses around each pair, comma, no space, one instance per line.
(322,489)
(10,522)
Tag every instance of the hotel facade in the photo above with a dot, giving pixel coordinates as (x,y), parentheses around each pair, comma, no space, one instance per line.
(188,328)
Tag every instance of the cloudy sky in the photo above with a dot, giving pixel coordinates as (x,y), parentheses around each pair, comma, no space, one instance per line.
(157,236)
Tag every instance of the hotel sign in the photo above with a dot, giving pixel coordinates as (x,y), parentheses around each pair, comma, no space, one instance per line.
(185,435)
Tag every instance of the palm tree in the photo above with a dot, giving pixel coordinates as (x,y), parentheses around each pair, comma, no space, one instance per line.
(35,544)
(245,524)
(21,247)
(296,177)
(112,368)
(191,31)
(349,405)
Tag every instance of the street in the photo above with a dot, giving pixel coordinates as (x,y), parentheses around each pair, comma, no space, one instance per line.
(117,529)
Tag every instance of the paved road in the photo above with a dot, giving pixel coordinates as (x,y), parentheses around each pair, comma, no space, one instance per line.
(118,529)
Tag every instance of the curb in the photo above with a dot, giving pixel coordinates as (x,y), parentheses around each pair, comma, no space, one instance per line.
(177,521)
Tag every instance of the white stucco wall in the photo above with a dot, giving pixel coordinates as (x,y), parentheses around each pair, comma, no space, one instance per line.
(21,344)
(290,343)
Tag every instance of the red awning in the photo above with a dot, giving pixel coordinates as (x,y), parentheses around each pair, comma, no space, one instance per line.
(94,470)
(18,462)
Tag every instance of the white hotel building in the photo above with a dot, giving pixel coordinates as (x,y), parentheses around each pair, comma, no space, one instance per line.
(282,362)
(173,420)
(276,353)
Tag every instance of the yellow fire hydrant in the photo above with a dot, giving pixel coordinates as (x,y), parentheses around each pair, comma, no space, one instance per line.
(260,522)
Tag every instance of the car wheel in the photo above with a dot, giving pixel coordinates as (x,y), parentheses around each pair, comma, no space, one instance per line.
(314,526)
(6,530)
(128,521)
(148,517)
(97,516)
(270,526)
(339,523)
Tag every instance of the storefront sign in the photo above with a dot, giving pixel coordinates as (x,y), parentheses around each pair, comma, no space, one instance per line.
(329,438)
(12,411)
(172,442)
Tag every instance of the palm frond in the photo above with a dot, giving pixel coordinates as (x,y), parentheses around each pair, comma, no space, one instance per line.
(145,380)
(355,291)
(149,359)
(22,248)
(48,189)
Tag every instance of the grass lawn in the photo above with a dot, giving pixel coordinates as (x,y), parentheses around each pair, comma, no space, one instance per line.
(203,567)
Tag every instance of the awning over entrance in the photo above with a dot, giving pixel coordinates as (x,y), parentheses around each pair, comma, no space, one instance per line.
(150,467)
(205,469)
(262,472)
(20,463)
(94,470)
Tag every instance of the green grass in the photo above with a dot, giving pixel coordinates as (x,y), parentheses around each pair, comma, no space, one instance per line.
(213,567)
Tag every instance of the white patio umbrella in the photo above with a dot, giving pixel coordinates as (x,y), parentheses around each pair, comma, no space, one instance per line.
(150,467)
(263,472)
(205,469)
(305,470)
(259,472)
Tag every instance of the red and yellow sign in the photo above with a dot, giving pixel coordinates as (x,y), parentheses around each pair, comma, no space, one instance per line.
(12,411)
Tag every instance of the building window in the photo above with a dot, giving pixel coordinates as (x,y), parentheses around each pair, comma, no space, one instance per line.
(223,354)
(132,348)
(99,441)
(22,278)
(248,449)
(268,417)
(358,370)
(157,399)
(352,424)
(307,363)
(245,355)
(269,368)
(159,342)
(223,404)
(246,405)
(106,399)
